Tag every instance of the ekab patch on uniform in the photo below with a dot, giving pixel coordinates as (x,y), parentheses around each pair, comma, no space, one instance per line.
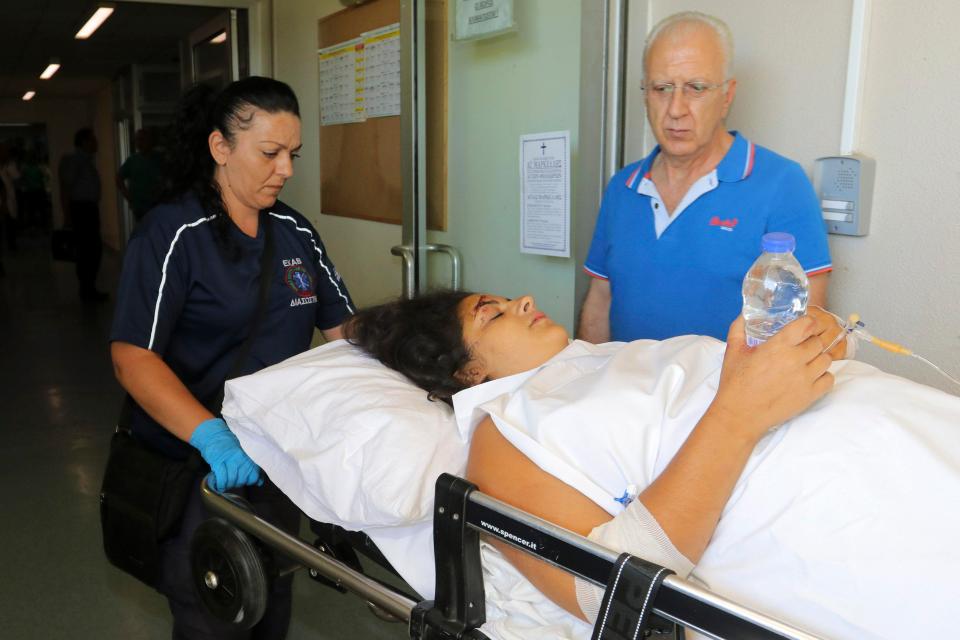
(300,282)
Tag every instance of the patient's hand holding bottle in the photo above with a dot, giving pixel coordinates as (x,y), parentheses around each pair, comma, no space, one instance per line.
(775,289)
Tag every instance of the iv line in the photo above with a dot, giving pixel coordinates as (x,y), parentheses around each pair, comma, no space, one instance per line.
(941,371)
(855,326)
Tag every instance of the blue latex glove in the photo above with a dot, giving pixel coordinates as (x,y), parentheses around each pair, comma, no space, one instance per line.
(220,448)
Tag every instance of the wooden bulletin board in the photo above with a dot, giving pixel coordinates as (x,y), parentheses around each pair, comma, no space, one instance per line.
(360,161)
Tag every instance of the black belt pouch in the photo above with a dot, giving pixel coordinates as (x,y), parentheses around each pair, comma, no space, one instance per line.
(142,501)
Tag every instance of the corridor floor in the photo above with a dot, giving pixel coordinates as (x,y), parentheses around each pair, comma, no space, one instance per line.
(59,405)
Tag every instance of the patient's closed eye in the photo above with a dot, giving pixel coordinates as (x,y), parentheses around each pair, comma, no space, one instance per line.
(483,303)
(492,314)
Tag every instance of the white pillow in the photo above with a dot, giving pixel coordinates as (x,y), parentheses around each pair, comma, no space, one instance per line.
(349,440)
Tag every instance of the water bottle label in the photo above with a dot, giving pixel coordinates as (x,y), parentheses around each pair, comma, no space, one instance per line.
(753,342)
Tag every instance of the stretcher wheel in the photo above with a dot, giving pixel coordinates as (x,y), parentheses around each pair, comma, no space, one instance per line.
(228,573)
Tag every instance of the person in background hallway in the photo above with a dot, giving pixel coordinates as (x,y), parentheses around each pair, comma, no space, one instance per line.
(678,230)
(188,296)
(33,187)
(80,198)
(140,178)
(9,174)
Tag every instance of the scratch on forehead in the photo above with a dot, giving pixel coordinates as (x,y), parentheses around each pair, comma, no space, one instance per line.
(482,300)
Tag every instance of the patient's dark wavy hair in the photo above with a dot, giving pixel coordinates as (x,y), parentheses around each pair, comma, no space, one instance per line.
(421,338)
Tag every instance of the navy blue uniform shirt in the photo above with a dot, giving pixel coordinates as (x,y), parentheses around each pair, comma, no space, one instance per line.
(183,298)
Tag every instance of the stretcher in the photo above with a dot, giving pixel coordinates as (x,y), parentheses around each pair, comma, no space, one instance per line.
(231,570)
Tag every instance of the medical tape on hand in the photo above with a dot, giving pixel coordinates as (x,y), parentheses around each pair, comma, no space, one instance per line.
(635,531)
(846,333)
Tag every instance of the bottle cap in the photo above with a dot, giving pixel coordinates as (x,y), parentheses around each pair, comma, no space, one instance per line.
(778,242)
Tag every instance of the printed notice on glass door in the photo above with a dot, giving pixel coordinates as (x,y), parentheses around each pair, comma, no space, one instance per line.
(545,193)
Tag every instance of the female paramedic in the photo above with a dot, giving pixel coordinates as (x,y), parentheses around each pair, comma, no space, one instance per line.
(192,311)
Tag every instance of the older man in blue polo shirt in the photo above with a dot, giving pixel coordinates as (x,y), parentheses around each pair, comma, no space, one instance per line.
(678,230)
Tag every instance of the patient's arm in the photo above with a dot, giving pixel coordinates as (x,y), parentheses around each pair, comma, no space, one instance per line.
(686,499)
(759,389)
(501,470)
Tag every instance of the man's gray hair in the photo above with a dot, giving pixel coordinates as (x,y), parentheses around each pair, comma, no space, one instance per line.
(719,27)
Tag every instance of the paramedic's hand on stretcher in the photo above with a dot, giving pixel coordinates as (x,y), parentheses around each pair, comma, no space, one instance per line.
(220,448)
(764,386)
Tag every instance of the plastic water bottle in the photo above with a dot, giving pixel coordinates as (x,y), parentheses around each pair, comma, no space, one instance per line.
(775,289)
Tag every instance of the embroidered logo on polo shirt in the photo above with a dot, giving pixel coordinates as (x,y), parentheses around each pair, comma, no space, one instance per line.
(726,225)
(299,281)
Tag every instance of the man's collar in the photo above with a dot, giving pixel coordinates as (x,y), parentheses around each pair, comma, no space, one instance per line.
(736,165)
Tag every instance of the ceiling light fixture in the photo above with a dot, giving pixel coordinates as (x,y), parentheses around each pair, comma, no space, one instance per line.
(98,18)
(29,95)
(51,69)
(220,38)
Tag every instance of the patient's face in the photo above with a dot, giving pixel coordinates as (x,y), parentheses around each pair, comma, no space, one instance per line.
(507,336)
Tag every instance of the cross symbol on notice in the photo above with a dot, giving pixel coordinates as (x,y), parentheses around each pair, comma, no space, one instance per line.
(543,148)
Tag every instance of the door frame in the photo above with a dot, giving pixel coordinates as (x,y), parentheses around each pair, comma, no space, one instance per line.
(259,24)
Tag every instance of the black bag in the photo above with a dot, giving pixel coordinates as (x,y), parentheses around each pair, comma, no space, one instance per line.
(63,244)
(142,500)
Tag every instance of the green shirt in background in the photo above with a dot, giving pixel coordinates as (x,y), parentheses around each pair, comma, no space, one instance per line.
(144,177)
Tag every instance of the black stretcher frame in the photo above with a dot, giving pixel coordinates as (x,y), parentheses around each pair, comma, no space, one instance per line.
(461,513)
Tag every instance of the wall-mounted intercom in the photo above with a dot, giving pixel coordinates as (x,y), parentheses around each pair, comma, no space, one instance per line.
(844,186)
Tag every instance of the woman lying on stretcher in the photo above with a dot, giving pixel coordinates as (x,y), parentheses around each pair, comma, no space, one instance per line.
(787,521)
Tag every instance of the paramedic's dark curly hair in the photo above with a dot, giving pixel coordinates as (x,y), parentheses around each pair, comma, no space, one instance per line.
(421,338)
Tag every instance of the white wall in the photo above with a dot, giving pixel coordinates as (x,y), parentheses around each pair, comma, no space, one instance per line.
(904,278)
(791,63)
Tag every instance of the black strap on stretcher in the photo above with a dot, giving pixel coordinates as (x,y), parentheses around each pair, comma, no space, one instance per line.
(628,600)
(636,603)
